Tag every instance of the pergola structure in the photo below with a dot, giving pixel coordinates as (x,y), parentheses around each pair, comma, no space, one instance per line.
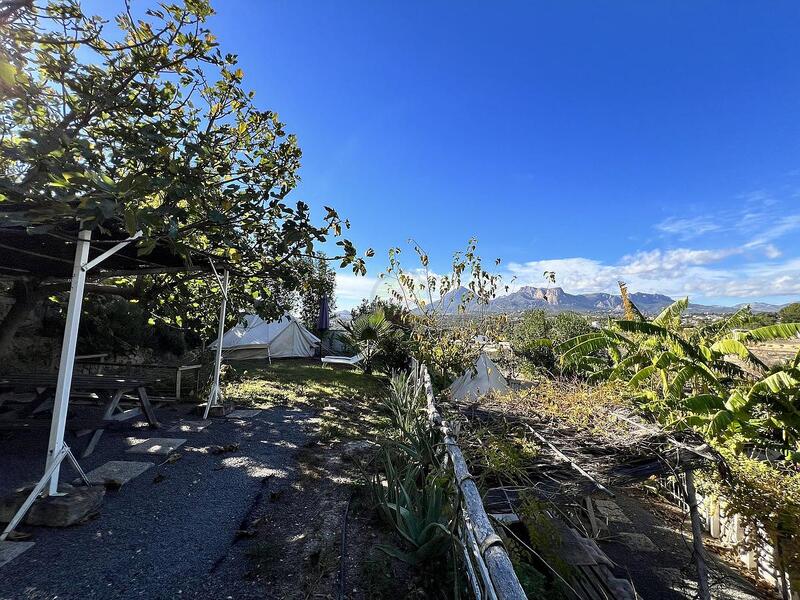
(71,253)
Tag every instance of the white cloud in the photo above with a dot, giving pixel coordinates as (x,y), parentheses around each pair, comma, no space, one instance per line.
(688,228)
(771,252)
(776,229)
(676,273)
(351,289)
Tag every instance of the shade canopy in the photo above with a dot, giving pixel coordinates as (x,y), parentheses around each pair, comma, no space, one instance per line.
(51,253)
(256,338)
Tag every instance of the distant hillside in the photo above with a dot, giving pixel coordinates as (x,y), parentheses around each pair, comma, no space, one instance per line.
(557,300)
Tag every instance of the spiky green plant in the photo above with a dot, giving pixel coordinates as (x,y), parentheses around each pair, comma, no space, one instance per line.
(417,506)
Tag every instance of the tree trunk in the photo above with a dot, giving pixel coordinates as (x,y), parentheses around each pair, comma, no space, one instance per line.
(28,294)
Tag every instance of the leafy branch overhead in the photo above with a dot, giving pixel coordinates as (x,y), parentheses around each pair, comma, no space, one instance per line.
(145,126)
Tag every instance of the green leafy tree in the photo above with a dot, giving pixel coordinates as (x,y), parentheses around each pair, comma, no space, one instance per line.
(450,310)
(534,336)
(318,281)
(144,125)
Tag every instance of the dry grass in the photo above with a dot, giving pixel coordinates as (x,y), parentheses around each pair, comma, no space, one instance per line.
(298,381)
(573,403)
(777,351)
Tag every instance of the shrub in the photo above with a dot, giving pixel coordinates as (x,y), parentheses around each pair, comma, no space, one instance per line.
(535,335)
(395,349)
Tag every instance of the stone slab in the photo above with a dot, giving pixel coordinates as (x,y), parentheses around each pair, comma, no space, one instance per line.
(242,414)
(219,410)
(637,542)
(189,426)
(611,511)
(76,503)
(11,550)
(117,472)
(156,446)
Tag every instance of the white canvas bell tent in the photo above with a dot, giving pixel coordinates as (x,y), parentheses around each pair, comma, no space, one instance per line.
(255,338)
(486,378)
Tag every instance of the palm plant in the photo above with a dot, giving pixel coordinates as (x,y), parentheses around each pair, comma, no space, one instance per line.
(366,333)
(705,377)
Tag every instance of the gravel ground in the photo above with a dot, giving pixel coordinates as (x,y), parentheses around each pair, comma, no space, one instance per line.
(174,531)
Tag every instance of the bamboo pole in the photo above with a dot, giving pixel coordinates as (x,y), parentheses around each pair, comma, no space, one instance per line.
(504,580)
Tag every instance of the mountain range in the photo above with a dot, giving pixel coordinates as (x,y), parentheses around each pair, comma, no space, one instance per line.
(555,299)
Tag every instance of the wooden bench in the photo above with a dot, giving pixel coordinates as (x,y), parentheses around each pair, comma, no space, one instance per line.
(106,389)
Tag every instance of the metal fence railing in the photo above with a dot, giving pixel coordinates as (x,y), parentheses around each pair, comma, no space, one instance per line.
(489,569)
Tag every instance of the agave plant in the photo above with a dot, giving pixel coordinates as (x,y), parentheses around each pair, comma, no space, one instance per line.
(417,506)
(705,377)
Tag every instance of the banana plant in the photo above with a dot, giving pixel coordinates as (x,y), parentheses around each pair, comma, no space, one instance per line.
(704,377)
(769,411)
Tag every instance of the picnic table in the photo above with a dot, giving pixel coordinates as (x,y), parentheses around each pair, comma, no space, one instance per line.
(106,389)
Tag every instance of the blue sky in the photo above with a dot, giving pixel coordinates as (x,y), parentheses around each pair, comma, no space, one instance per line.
(656,142)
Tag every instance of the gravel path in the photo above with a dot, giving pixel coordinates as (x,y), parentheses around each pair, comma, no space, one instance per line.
(173,532)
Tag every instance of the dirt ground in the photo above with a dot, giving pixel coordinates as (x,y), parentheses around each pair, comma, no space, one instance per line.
(317,535)
(777,351)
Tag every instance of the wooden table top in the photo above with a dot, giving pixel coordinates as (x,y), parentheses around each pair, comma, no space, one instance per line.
(90,382)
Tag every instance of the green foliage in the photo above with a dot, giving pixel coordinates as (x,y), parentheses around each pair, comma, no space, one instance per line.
(763,495)
(779,331)
(443,336)
(418,512)
(395,350)
(318,280)
(118,326)
(404,404)
(144,125)
(367,334)
(705,378)
(499,455)
(790,313)
(535,335)
(410,485)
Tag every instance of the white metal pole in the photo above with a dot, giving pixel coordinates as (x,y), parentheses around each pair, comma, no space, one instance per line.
(64,383)
(214,394)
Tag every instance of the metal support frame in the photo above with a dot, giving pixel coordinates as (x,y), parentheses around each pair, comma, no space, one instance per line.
(51,471)
(57,449)
(64,383)
(215,394)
